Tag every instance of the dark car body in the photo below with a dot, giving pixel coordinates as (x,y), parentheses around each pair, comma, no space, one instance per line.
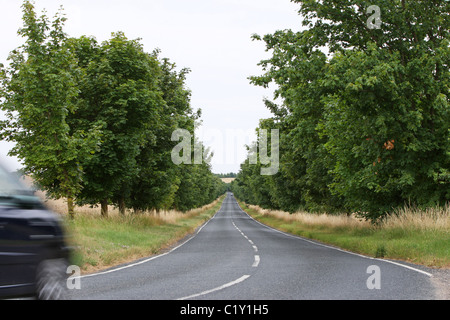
(33,250)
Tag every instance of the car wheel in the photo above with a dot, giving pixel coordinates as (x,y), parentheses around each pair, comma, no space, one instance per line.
(51,280)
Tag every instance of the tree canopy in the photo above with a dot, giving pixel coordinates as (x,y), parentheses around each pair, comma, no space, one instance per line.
(92,121)
(364,117)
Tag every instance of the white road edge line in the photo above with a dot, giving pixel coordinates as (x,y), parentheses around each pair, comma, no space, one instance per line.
(151,258)
(229,284)
(338,249)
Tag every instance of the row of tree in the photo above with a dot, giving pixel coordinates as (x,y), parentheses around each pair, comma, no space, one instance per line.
(93,122)
(364,124)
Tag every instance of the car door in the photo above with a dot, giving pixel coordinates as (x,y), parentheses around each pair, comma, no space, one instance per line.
(17,259)
(17,254)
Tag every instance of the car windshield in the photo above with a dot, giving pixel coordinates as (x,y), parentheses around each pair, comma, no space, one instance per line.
(9,184)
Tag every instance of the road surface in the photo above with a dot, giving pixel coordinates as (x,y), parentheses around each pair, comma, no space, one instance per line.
(234,257)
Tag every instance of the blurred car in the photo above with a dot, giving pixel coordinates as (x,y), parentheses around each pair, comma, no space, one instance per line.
(33,251)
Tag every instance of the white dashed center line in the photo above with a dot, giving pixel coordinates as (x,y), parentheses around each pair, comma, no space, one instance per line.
(257,258)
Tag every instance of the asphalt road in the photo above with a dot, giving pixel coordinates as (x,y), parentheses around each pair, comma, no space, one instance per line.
(233,257)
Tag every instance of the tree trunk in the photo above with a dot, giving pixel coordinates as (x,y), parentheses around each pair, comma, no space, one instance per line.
(104,208)
(122,206)
(70,207)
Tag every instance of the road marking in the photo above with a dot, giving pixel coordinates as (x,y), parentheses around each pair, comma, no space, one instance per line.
(153,257)
(257,258)
(405,266)
(229,284)
(338,249)
(256,263)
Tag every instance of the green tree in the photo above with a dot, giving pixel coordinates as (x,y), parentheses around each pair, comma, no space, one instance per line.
(39,92)
(297,68)
(198,185)
(158,181)
(120,90)
(93,122)
(365,122)
(387,114)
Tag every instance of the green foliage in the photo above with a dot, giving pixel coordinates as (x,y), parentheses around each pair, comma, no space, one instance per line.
(93,122)
(119,90)
(39,93)
(365,126)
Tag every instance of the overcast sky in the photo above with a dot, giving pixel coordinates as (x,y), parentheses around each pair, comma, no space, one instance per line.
(211,37)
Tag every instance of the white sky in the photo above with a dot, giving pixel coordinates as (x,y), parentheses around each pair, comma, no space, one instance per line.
(211,37)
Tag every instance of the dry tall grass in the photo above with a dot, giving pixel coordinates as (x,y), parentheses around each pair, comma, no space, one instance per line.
(165,216)
(411,234)
(315,219)
(430,219)
(435,218)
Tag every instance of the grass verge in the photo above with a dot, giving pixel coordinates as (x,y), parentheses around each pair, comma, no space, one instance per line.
(105,242)
(413,235)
